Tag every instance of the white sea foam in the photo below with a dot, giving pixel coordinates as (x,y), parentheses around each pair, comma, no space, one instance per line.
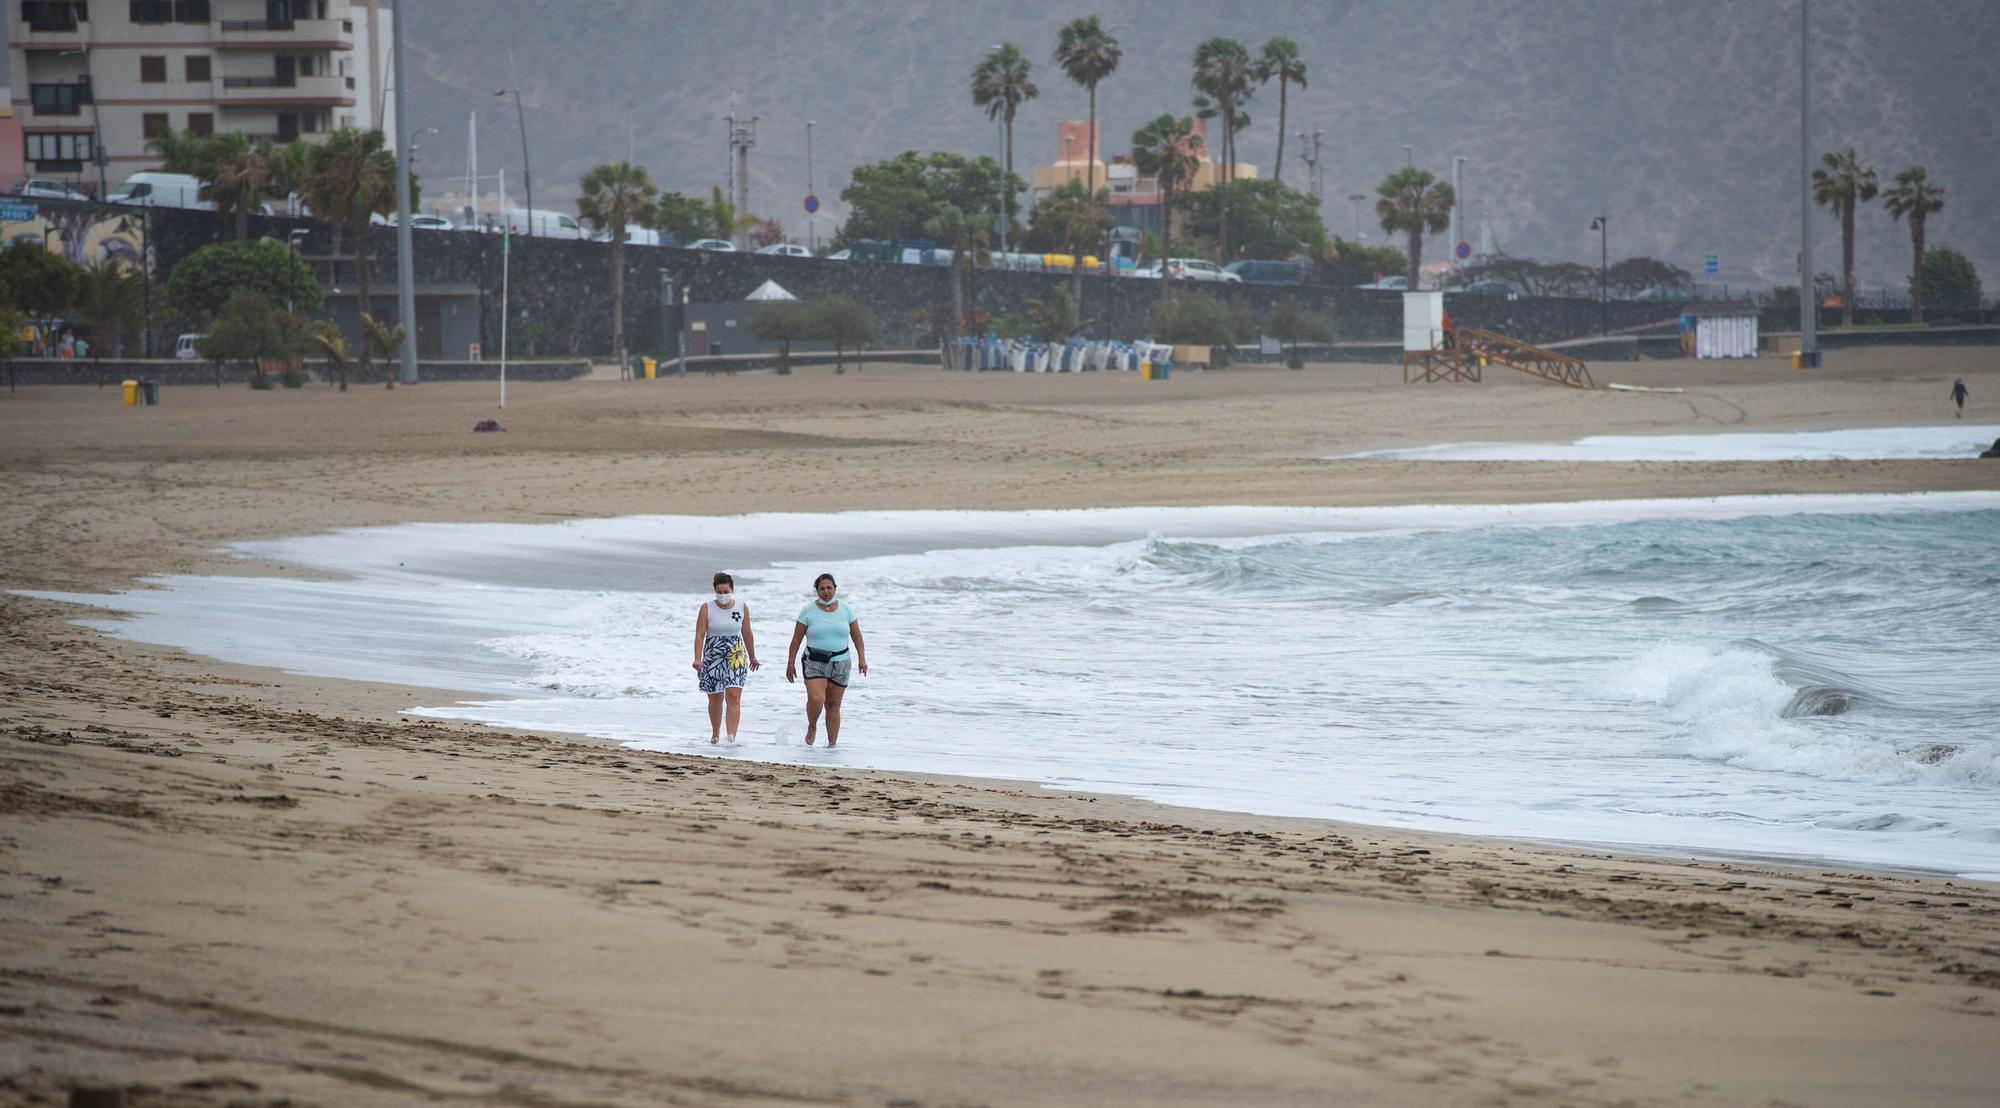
(1627,673)
(1953,440)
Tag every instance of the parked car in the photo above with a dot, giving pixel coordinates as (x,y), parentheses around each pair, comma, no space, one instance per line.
(48,188)
(162,190)
(1664,295)
(786,249)
(723,245)
(546,224)
(1268,273)
(185,346)
(421,221)
(1398,284)
(840,255)
(1189,269)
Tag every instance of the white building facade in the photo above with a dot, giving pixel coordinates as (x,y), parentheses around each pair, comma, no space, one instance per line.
(92,80)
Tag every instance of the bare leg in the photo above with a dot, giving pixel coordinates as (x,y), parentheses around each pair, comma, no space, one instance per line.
(734,697)
(714,716)
(833,694)
(815,700)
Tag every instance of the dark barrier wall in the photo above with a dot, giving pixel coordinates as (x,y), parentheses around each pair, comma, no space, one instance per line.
(108,372)
(560,291)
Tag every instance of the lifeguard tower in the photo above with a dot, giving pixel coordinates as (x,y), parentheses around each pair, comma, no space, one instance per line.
(1433,352)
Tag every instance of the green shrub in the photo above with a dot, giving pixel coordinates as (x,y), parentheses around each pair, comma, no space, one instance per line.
(293,377)
(259,379)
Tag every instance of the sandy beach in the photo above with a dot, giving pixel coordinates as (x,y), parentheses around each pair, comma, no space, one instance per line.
(229,885)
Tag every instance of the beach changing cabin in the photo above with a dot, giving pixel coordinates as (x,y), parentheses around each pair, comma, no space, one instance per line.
(1721,328)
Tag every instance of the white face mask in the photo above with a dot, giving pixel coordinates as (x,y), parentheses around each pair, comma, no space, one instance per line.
(723,598)
(828,601)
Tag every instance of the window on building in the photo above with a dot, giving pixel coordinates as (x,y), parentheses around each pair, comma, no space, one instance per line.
(152,11)
(57,152)
(197,67)
(156,125)
(59,99)
(201,123)
(191,11)
(53,15)
(153,67)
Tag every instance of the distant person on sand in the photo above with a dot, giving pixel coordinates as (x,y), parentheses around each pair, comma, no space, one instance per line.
(1958,395)
(724,654)
(825,625)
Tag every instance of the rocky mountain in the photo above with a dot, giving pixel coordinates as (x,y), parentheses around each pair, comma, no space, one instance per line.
(1677,118)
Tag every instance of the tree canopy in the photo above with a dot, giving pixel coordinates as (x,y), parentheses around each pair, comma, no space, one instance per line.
(204,281)
(896,198)
(686,218)
(1267,219)
(39,281)
(1950,281)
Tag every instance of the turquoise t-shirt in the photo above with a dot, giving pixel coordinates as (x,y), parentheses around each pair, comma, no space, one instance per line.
(826,630)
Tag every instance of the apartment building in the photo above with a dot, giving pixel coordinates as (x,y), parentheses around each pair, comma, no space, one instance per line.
(92,80)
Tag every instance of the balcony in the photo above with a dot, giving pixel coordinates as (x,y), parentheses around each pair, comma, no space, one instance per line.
(282,34)
(52,16)
(265,89)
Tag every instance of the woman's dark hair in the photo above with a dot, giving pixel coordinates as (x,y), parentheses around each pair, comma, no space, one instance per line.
(828,578)
(725,579)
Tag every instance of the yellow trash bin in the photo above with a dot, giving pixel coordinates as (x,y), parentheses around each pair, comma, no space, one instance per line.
(1796,358)
(131,389)
(652,367)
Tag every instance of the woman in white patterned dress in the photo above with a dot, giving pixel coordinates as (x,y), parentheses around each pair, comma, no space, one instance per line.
(725,651)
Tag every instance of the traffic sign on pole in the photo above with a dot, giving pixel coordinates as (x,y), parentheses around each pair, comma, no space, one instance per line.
(1711,263)
(812,204)
(1464,251)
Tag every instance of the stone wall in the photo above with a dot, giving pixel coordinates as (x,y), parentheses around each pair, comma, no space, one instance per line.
(560,291)
(108,372)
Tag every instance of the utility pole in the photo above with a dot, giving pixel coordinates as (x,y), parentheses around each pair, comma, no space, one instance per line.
(1602,225)
(1457,202)
(1808,291)
(375,82)
(1310,155)
(742,136)
(812,218)
(406,293)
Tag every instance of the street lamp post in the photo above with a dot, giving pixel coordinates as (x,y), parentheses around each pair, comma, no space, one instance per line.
(812,218)
(1602,225)
(1409,156)
(292,249)
(1808,291)
(527,182)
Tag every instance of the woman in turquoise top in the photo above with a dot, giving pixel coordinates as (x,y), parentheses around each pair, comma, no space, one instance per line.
(825,626)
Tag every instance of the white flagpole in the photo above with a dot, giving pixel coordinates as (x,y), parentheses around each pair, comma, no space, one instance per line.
(506,251)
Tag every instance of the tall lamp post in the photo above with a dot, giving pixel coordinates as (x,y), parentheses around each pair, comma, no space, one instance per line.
(292,248)
(812,218)
(1808,291)
(1602,225)
(406,282)
(527,182)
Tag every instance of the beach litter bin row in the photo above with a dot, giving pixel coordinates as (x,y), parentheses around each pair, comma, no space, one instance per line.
(136,392)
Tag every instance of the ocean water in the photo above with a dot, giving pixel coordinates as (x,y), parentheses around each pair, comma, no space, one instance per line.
(1807,678)
(1952,440)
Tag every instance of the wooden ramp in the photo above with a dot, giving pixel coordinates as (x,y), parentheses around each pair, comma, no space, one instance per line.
(1467,348)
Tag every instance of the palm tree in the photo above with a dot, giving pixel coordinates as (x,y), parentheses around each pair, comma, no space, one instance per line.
(384,339)
(1413,201)
(350,177)
(111,300)
(1000,84)
(237,183)
(1281,60)
(1223,70)
(1088,54)
(1168,150)
(614,195)
(326,335)
(964,233)
(1843,183)
(1914,195)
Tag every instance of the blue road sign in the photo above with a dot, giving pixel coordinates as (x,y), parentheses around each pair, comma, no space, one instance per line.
(812,204)
(17,213)
(1711,263)
(1464,251)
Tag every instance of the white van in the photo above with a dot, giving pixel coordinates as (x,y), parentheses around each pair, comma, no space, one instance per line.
(635,235)
(162,190)
(548,224)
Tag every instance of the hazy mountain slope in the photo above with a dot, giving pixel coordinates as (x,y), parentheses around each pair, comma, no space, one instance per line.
(1679,117)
